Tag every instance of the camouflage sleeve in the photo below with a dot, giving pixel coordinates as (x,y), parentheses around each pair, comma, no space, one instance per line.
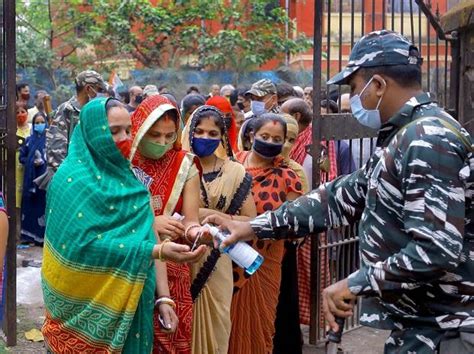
(433,216)
(57,139)
(337,203)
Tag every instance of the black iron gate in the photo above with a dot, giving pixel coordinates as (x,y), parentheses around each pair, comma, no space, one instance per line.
(8,144)
(338,24)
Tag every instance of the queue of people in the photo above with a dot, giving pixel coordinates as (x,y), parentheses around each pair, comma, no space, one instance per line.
(118,190)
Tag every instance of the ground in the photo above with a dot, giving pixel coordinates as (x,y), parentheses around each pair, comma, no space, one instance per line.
(30,311)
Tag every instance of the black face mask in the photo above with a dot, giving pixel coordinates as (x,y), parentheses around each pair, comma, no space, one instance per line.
(266,150)
(240,105)
(138,99)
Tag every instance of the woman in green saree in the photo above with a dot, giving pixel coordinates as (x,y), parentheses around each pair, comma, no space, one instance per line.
(98,275)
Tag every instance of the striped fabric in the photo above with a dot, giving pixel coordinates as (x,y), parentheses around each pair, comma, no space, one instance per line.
(97,276)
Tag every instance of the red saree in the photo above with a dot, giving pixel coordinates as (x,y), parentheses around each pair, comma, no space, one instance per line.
(169,175)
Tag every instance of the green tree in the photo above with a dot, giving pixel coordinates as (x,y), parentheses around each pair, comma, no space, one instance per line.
(204,34)
(251,32)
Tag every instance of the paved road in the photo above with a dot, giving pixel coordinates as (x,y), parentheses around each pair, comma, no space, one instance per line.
(363,340)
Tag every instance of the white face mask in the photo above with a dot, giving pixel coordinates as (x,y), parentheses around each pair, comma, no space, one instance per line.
(368,117)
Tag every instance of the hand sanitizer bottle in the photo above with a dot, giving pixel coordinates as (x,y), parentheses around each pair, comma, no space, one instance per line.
(241,253)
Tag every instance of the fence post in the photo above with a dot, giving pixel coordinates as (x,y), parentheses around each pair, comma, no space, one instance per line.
(11,144)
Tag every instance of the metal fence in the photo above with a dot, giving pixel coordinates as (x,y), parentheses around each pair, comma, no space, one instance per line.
(338,24)
(8,144)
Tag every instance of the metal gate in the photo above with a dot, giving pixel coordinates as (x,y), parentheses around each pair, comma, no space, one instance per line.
(338,24)
(8,143)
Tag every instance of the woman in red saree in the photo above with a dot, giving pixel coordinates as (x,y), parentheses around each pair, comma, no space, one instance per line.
(173,180)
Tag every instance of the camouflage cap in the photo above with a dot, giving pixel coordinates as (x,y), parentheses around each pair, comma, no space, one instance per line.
(261,88)
(91,77)
(378,48)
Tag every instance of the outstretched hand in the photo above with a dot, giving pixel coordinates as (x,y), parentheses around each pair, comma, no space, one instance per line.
(239,230)
(171,251)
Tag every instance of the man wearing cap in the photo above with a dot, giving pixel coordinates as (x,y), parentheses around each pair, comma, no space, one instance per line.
(413,201)
(263,95)
(89,84)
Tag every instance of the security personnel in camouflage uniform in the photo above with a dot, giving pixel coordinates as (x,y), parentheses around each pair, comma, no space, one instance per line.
(263,94)
(89,84)
(413,201)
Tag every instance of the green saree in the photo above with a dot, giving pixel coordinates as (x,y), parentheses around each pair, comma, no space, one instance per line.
(98,276)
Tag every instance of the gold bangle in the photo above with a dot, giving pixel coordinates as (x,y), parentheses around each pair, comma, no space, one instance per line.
(160,256)
(165,300)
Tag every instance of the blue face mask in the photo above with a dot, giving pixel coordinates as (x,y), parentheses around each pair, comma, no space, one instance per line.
(203,147)
(258,108)
(368,117)
(265,149)
(39,128)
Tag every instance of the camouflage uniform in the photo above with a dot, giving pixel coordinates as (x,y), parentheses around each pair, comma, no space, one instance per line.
(414,204)
(64,121)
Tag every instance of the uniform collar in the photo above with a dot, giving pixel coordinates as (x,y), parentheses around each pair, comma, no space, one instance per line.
(402,117)
(75,103)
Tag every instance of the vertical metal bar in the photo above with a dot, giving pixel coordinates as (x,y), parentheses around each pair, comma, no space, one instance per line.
(412,24)
(10,291)
(420,40)
(401,16)
(340,54)
(393,15)
(446,101)
(384,19)
(428,54)
(373,15)
(362,18)
(316,150)
(352,23)
(438,91)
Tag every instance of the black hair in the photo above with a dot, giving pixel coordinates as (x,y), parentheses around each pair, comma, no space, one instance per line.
(191,100)
(234,95)
(285,90)
(21,86)
(162,87)
(331,104)
(242,91)
(298,105)
(38,114)
(404,75)
(173,115)
(125,96)
(266,118)
(210,112)
(113,103)
(170,97)
(192,89)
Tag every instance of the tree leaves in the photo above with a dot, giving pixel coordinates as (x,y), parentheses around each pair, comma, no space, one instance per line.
(205,34)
